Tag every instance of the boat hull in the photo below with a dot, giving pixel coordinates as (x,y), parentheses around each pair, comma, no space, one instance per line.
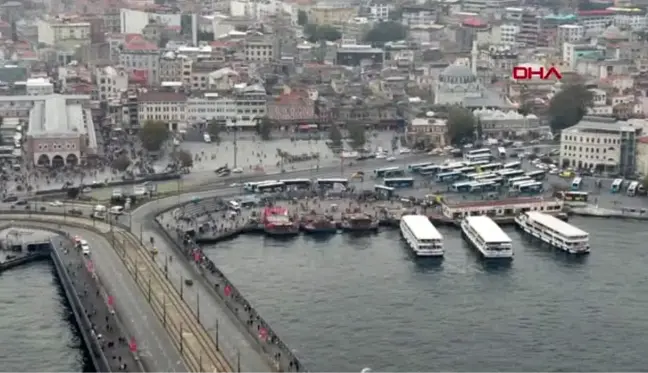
(323,230)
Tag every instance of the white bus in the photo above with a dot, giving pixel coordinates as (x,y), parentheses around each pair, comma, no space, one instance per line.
(514,180)
(632,188)
(502,152)
(617,184)
(513,165)
(576,183)
(478,157)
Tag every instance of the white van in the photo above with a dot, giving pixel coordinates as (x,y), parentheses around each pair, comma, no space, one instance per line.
(116,210)
(207,138)
(233,205)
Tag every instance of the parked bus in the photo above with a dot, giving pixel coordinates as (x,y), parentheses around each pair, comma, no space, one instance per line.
(429,170)
(483,186)
(497,180)
(514,180)
(509,174)
(271,187)
(617,184)
(478,157)
(489,167)
(537,175)
(502,152)
(513,165)
(632,188)
(531,187)
(394,173)
(576,183)
(330,183)
(402,182)
(449,176)
(381,171)
(574,198)
(477,152)
(298,183)
(477,163)
(462,186)
(484,176)
(384,191)
(467,169)
(417,166)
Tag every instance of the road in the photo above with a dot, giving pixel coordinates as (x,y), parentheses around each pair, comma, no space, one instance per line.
(156,349)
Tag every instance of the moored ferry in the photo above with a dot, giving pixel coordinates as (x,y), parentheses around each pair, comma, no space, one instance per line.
(554,232)
(421,235)
(359,222)
(487,237)
(277,222)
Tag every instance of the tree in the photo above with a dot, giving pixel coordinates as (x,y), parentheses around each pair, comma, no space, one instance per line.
(121,163)
(185,158)
(386,31)
(214,129)
(568,107)
(302,18)
(153,134)
(357,135)
(335,136)
(316,33)
(461,125)
(264,128)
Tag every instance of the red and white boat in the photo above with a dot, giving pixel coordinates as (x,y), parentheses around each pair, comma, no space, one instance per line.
(277,222)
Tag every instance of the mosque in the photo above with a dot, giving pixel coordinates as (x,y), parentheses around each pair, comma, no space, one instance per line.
(458,85)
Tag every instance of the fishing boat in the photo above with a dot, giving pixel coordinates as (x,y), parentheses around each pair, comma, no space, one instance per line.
(277,222)
(319,225)
(359,222)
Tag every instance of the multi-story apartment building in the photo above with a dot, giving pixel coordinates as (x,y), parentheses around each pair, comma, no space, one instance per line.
(39,87)
(600,143)
(251,104)
(211,106)
(379,12)
(111,83)
(529,28)
(55,31)
(331,14)
(508,34)
(569,34)
(418,15)
(141,57)
(595,20)
(262,48)
(171,67)
(169,107)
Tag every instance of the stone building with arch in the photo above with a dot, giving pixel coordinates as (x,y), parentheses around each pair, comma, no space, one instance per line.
(60,133)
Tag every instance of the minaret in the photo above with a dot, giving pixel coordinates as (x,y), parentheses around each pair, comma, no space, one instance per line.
(473,57)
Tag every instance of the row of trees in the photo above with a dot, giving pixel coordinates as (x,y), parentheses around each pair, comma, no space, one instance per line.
(356,133)
(380,34)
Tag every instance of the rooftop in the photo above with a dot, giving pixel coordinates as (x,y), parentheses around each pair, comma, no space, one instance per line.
(53,116)
(496,203)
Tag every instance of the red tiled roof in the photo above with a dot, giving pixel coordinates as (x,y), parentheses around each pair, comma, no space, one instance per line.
(138,43)
(162,96)
(643,140)
(501,202)
(130,37)
(474,22)
(600,12)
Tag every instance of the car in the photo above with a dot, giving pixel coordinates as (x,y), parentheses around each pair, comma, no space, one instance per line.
(76,212)
(85,247)
(22,202)
(380,156)
(237,170)
(10,199)
(405,151)
(87,190)
(56,204)
(391,159)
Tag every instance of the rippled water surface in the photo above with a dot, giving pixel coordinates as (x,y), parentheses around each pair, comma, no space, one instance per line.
(37,333)
(348,302)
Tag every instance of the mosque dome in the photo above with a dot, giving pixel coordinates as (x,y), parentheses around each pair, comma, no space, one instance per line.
(457,74)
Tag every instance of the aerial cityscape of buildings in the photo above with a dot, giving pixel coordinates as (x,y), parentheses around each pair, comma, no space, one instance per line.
(121,63)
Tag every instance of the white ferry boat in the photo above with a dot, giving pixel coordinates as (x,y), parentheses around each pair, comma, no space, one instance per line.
(421,236)
(487,237)
(554,232)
